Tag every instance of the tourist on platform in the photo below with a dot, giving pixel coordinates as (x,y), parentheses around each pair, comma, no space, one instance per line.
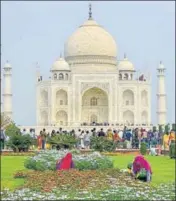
(154,139)
(2,138)
(53,133)
(141,169)
(135,140)
(47,145)
(77,136)
(60,130)
(93,132)
(128,138)
(65,163)
(33,134)
(87,140)
(101,133)
(149,137)
(72,133)
(159,140)
(39,140)
(165,141)
(139,133)
(144,136)
(81,137)
(171,143)
(116,137)
(43,136)
(110,135)
(120,133)
(23,132)
(124,133)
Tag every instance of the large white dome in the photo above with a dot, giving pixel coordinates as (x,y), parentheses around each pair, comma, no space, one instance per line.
(90,42)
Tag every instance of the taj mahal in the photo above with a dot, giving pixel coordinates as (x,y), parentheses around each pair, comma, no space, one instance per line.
(89,86)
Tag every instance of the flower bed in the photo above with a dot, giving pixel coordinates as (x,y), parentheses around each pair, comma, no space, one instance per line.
(116,192)
(76,180)
(46,160)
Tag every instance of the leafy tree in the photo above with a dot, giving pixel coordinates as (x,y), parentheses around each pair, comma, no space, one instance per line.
(5,120)
(12,129)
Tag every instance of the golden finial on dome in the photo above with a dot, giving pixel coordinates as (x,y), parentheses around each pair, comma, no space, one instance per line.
(90,11)
(125,56)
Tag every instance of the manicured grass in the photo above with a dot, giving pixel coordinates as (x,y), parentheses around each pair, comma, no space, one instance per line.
(9,165)
(163,168)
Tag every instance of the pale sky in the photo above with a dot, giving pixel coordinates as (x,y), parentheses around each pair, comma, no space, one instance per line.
(35,31)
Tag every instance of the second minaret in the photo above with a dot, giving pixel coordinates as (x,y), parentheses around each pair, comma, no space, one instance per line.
(161,96)
(7,103)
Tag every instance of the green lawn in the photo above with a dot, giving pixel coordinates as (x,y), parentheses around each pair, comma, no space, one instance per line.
(163,168)
(9,165)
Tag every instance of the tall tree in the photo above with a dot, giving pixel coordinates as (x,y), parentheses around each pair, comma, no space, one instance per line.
(5,120)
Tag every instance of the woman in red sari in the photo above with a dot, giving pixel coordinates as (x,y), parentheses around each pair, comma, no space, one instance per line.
(65,163)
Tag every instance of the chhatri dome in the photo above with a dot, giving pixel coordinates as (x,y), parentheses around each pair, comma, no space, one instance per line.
(60,64)
(125,65)
(7,64)
(90,41)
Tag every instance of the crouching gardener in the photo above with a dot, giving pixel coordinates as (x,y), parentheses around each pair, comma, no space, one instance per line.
(140,169)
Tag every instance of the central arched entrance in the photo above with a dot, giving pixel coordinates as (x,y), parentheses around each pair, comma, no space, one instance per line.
(61,118)
(94,106)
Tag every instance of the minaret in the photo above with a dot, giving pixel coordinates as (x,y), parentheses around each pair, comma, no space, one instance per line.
(38,77)
(7,103)
(161,95)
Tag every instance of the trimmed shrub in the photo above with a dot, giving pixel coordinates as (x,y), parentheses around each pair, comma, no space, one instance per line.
(102,144)
(62,141)
(46,160)
(143,148)
(20,142)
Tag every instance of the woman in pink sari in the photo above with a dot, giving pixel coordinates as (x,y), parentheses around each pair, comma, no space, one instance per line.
(140,164)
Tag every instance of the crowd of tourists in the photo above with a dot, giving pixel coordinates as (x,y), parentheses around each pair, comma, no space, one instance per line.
(132,137)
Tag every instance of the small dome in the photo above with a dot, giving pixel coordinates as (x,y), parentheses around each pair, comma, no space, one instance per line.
(60,64)
(7,65)
(125,64)
(161,65)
